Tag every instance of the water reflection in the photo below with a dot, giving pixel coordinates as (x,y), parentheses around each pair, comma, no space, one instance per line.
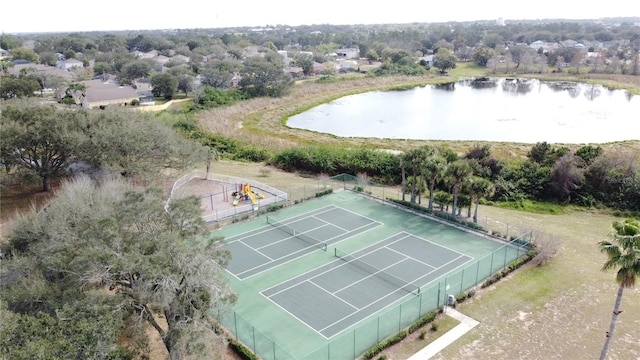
(518,86)
(481,83)
(446,87)
(483,110)
(592,92)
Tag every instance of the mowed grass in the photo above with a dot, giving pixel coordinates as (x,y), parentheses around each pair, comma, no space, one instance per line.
(557,311)
(561,310)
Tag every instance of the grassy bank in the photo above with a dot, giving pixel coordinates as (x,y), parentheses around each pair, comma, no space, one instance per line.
(262,121)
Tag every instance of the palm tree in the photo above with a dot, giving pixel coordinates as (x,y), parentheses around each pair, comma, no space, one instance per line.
(411,161)
(480,187)
(623,253)
(459,170)
(434,167)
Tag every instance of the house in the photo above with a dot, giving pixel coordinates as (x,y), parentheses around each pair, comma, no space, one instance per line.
(101,93)
(295,72)
(40,69)
(427,59)
(146,98)
(3,53)
(161,59)
(348,53)
(69,64)
(181,58)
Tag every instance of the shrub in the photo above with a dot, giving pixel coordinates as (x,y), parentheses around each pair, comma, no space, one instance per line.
(274,207)
(422,321)
(243,352)
(423,334)
(383,345)
(324,192)
(434,326)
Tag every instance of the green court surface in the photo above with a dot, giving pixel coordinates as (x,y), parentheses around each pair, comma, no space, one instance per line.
(331,277)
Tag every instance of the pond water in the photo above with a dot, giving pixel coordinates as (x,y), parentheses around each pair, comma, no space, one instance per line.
(508,110)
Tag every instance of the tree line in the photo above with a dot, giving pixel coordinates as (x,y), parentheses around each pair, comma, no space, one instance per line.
(219,57)
(586,177)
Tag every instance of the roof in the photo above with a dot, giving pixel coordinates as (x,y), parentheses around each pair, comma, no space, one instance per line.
(101,93)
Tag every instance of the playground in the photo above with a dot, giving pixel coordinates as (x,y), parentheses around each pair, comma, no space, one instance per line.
(223,196)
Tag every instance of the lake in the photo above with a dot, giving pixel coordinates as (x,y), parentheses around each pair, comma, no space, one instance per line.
(506,110)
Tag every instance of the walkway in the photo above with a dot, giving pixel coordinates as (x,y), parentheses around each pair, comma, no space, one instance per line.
(466,324)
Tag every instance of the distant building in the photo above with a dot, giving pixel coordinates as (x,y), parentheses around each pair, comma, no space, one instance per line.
(69,64)
(348,53)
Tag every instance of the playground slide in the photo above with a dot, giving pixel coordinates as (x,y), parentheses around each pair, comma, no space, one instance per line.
(247,190)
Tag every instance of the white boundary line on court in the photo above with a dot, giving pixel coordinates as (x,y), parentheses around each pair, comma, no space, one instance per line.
(309,214)
(385,246)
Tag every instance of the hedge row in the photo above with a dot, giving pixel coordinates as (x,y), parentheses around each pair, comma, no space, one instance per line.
(385,344)
(443,215)
(515,264)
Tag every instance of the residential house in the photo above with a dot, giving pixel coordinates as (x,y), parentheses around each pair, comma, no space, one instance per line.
(40,69)
(69,64)
(146,98)
(3,53)
(101,93)
(295,72)
(348,53)
(428,59)
(181,58)
(161,59)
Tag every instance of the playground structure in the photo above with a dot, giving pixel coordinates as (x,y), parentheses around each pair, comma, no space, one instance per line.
(245,193)
(214,191)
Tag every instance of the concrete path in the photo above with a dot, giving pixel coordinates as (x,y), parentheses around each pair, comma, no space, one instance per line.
(466,324)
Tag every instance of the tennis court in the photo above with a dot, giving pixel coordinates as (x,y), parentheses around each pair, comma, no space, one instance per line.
(330,277)
(334,297)
(283,241)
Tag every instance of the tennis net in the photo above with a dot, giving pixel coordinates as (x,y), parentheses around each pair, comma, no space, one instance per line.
(391,279)
(298,234)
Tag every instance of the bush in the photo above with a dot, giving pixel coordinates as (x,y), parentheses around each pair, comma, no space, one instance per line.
(423,321)
(434,326)
(274,207)
(324,192)
(243,352)
(383,345)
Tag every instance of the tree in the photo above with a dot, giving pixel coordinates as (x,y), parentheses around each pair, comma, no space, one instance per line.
(135,69)
(261,77)
(623,254)
(185,84)
(480,188)
(305,61)
(136,144)
(459,171)
(219,73)
(566,176)
(147,260)
(75,93)
(434,167)
(39,138)
(444,60)
(24,54)
(482,54)
(164,84)
(23,85)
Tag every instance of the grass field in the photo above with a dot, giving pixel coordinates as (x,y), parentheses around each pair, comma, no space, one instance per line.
(558,311)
